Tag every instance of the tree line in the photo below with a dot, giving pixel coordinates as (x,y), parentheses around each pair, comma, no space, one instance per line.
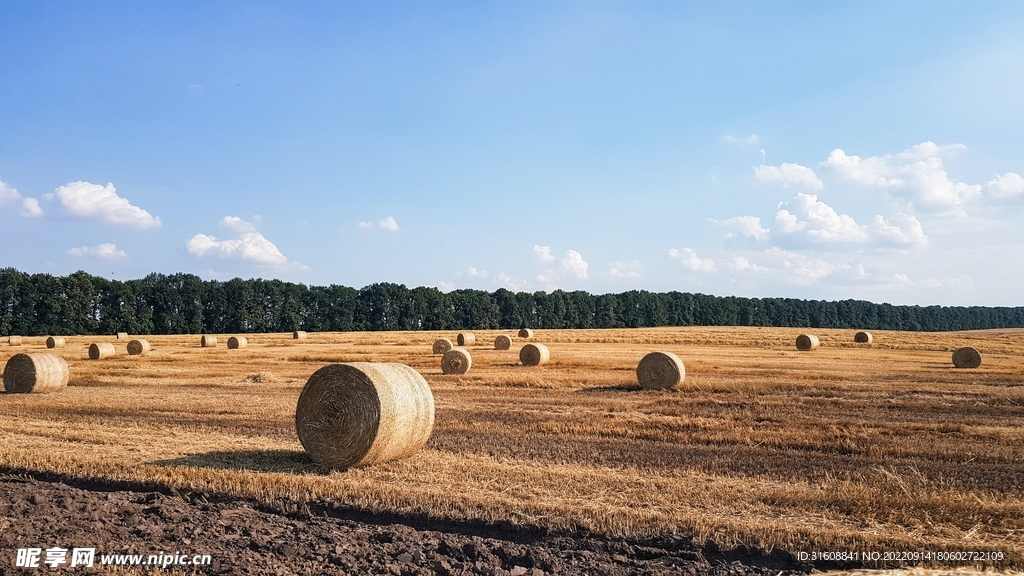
(41,304)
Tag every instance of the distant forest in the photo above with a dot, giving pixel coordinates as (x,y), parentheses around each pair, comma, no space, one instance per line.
(39,304)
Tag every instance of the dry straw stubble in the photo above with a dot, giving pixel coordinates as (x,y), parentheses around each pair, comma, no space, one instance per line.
(660,371)
(236,342)
(525,333)
(966,357)
(208,341)
(138,347)
(55,342)
(807,342)
(442,345)
(363,413)
(534,354)
(863,337)
(456,361)
(502,342)
(35,374)
(465,339)
(100,350)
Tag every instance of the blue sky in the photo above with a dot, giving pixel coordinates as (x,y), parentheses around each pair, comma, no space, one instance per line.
(759,149)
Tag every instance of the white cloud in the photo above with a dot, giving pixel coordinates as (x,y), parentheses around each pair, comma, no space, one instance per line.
(388,224)
(574,264)
(474,273)
(8,194)
(237,224)
(625,270)
(1009,185)
(445,287)
(544,253)
(787,174)
(794,268)
(88,200)
(505,281)
(104,251)
(747,226)
(820,222)
(689,259)
(749,140)
(366,225)
(30,208)
(910,232)
(743,264)
(250,246)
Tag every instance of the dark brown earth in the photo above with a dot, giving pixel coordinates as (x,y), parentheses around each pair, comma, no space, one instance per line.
(244,537)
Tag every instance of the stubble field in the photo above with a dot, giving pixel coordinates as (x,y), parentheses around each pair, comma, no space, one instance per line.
(882,447)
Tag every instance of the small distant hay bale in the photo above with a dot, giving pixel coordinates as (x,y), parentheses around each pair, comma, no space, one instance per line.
(807,342)
(208,341)
(442,345)
(363,413)
(466,339)
(122,335)
(55,342)
(456,361)
(100,350)
(14,340)
(502,342)
(138,347)
(863,337)
(966,357)
(525,333)
(299,335)
(236,342)
(534,354)
(35,374)
(260,378)
(660,371)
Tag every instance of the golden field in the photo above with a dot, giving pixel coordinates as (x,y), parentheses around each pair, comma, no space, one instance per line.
(849,447)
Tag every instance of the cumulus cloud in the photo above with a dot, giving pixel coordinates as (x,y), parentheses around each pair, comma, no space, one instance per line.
(388,224)
(87,200)
(908,232)
(543,253)
(746,226)
(105,251)
(625,270)
(248,247)
(573,263)
(818,222)
(748,141)
(30,208)
(789,174)
(445,287)
(8,194)
(1009,185)
(689,259)
(795,268)
(472,272)
(366,225)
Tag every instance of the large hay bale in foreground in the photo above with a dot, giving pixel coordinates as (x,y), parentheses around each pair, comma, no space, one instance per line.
(966,357)
(456,361)
(363,413)
(299,335)
(502,342)
(138,347)
(55,342)
(660,371)
(465,339)
(534,354)
(863,337)
(525,333)
(99,350)
(14,340)
(35,374)
(208,341)
(236,342)
(122,335)
(442,345)
(807,342)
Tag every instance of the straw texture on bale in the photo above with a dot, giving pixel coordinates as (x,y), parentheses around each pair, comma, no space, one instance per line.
(14,340)
(122,335)
(863,337)
(966,357)
(466,339)
(534,354)
(138,347)
(525,333)
(55,342)
(807,342)
(364,413)
(208,341)
(660,371)
(35,374)
(299,335)
(442,345)
(236,342)
(98,350)
(456,361)
(502,342)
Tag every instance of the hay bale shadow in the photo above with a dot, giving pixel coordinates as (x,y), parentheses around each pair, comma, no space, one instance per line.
(293,461)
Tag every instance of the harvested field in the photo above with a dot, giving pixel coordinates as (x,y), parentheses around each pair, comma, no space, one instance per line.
(884,448)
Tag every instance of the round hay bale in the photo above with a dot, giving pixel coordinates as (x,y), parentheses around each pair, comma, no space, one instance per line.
(807,342)
(299,335)
(525,333)
(236,342)
(456,361)
(660,371)
(363,413)
(35,374)
(863,337)
(466,339)
(442,345)
(502,342)
(99,350)
(14,340)
(208,341)
(966,357)
(55,342)
(122,335)
(138,347)
(534,354)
